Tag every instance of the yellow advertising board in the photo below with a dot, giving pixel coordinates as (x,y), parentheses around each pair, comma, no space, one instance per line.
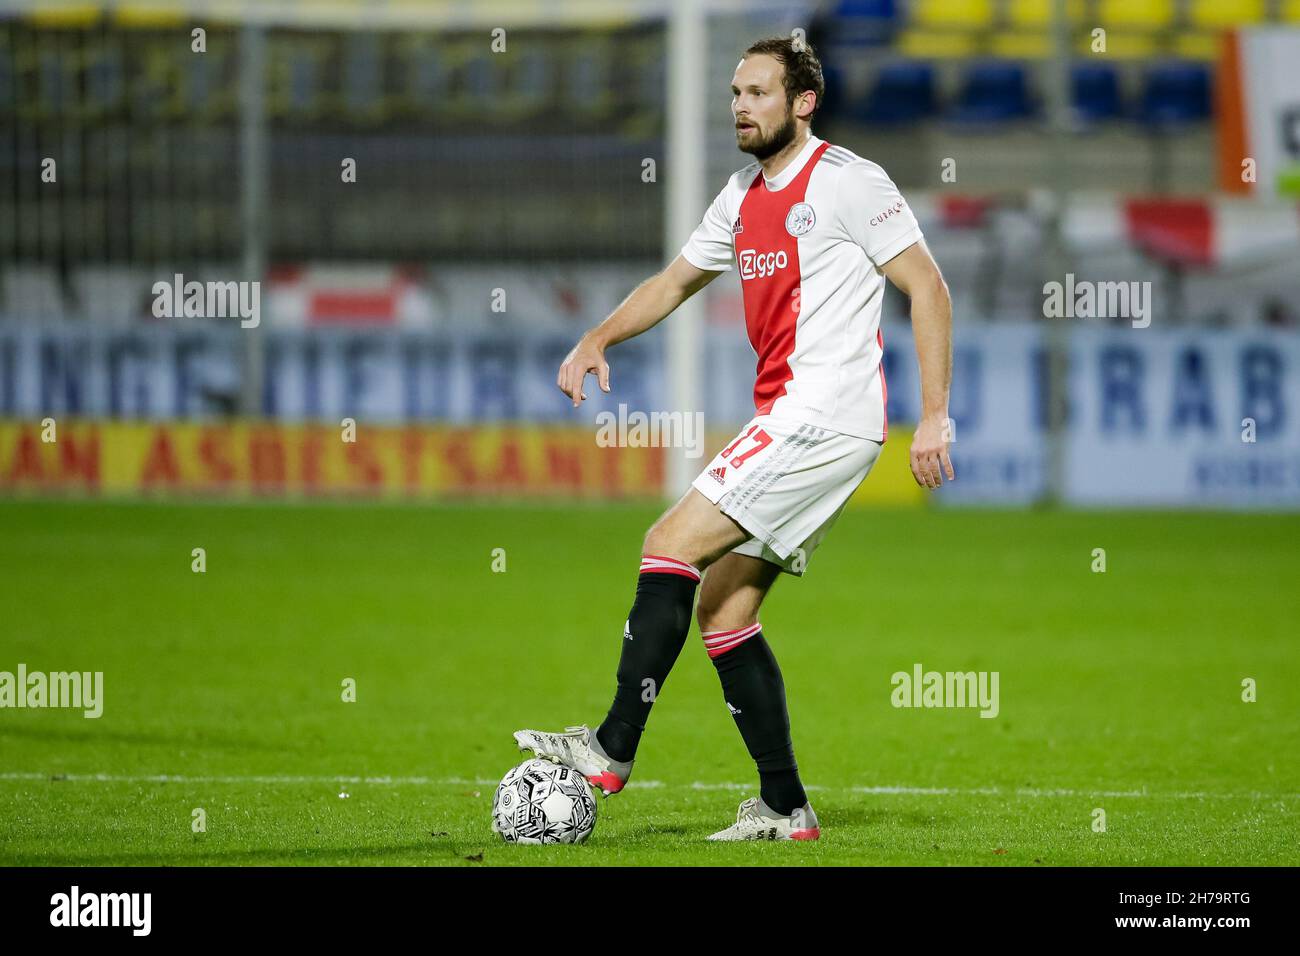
(270,459)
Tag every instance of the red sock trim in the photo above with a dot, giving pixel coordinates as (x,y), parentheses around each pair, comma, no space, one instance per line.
(718,643)
(657,564)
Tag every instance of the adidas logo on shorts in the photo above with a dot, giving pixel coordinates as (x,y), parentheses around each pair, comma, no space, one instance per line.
(718,474)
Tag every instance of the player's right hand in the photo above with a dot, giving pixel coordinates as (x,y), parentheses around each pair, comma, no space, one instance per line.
(587,356)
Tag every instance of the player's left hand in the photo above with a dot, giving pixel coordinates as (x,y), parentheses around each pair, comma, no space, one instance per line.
(930,459)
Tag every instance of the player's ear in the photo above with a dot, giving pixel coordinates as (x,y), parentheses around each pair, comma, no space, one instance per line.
(805,104)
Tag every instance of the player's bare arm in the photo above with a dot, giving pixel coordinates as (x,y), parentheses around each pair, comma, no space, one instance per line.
(915,273)
(648,305)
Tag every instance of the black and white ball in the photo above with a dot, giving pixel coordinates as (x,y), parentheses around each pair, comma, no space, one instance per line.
(540,802)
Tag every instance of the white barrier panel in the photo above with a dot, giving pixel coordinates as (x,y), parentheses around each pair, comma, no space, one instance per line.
(1184,418)
(313,375)
(1155,417)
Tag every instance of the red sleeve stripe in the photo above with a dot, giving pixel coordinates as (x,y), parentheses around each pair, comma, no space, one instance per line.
(884,389)
(656,564)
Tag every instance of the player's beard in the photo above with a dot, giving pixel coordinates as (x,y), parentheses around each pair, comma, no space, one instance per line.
(761,147)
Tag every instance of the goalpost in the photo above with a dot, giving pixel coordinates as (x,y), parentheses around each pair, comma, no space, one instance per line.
(687,128)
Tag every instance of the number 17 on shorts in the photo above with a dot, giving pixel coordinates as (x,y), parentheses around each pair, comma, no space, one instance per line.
(784,480)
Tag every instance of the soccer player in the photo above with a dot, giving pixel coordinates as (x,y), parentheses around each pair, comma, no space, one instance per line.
(814,231)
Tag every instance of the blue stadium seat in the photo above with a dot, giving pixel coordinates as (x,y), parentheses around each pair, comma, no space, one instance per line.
(864,22)
(833,101)
(993,93)
(879,9)
(883,12)
(1094,92)
(903,93)
(1175,94)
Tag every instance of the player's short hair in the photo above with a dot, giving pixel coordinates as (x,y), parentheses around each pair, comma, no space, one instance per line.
(803,71)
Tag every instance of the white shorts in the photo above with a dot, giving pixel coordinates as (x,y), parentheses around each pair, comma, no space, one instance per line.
(786,483)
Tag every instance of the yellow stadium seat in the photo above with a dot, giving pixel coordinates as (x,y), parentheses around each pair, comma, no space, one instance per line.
(1038,13)
(1216,14)
(65,16)
(149,15)
(927,45)
(1021,46)
(965,14)
(1122,46)
(1197,46)
(1136,14)
(1291,11)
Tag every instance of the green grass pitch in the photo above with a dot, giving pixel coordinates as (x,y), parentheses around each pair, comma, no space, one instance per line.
(1120,691)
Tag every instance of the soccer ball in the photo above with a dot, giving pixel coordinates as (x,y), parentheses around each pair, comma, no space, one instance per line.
(540,802)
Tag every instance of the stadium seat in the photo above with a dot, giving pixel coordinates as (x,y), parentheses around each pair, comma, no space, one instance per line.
(1196,46)
(587,78)
(903,93)
(993,93)
(1217,14)
(948,14)
(933,45)
(1136,14)
(834,99)
(865,22)
(1037,14)
(1094,92)
(1175,93)
(875,9)
(1290,11)
(846,85)
(1020,45)
(361,82)
(1122,46)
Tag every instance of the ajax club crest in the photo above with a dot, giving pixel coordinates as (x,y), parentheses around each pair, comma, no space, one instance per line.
(800,219)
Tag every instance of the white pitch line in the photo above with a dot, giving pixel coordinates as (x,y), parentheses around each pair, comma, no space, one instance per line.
(386,781)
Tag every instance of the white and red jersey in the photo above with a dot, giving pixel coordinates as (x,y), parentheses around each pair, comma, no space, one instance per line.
(810,243)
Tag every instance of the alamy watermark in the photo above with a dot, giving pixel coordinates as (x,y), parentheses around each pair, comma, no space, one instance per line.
(179,299)
(651,430)
(75,908)
(922,688)
(1084,299)
(74,689)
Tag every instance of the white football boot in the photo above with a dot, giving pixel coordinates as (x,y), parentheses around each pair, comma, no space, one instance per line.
(578,748)
(755,820)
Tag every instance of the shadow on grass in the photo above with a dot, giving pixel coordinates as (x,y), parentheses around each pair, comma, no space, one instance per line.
(652,830)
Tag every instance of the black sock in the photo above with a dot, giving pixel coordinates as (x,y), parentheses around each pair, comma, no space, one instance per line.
(656,630)
(782,790)
(755,695)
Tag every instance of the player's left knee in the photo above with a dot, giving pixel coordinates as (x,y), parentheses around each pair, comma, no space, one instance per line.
(663,540)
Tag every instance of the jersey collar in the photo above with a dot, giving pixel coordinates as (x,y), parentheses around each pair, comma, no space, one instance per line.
(787,175)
